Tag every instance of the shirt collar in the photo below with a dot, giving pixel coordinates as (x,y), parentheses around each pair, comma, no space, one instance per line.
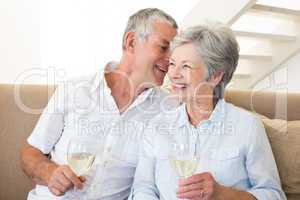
(148,93)
(217,115)
(99,80)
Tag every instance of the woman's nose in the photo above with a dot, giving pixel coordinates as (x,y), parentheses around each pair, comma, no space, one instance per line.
(176,72)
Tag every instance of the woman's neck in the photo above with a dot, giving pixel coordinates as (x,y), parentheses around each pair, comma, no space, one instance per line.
(199,110)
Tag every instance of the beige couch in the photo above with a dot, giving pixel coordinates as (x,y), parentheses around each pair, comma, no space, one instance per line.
(17,124)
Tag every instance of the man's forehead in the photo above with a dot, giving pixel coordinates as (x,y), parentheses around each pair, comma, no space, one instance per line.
(164,31)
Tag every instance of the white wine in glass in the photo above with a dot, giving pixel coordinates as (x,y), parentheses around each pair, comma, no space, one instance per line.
(183,160)
(81,154)
(80,163)
(185,167)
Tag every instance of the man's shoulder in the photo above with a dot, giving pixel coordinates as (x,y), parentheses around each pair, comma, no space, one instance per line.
(76,83)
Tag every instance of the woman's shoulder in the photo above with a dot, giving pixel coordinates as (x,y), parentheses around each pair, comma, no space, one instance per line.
(240,113)
(245,121)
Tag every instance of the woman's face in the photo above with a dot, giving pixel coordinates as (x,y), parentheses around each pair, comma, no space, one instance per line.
(187,73)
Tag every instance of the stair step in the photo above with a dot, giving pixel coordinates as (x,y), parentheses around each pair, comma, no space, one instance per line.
(280,10)
(256,57)
(271,36)
(241,76)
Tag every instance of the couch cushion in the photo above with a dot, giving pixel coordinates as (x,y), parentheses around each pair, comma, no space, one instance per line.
(284,137)
(16,124)
(275,105)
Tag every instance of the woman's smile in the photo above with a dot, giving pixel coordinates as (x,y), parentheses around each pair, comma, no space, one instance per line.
(177,87)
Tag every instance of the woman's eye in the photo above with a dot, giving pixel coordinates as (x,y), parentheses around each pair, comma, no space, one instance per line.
(171,64)
(186,66)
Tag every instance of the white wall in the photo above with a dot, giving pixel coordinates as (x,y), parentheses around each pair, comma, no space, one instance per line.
(19,37)
(286,78)
(43,39)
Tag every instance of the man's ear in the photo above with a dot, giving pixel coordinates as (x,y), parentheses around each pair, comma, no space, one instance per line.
(129,41)
(216,77)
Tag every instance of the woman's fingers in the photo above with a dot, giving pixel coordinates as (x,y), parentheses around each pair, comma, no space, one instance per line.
(191,187)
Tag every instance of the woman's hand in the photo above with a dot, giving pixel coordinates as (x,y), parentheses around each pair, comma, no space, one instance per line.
(198,187)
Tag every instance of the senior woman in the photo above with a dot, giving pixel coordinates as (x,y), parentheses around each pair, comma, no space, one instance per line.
(235,158)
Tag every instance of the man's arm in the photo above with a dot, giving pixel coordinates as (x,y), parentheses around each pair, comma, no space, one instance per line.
(36,164)
(42,171)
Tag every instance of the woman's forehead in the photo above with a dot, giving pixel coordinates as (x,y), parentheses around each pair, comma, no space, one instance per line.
(186,52)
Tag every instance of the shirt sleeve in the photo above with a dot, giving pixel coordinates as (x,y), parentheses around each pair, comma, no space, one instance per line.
(50,124)
(262,170)
(144,187)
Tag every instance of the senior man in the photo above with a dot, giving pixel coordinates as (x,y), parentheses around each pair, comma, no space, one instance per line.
(122,94)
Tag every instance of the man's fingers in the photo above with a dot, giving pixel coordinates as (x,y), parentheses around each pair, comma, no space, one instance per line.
(56,191)
(59,186)
(64,181)
(82,178)
(72,177)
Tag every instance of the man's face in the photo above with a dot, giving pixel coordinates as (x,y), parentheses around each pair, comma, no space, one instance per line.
(152,54)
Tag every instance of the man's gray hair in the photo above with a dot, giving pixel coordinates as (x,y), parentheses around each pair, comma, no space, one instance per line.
(141,22)
(218,48)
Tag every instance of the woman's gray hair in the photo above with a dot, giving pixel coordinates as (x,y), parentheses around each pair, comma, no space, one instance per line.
(218,48)
(141,22)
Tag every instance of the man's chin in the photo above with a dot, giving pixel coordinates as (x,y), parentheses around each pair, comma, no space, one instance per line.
(158,76)
(159,83)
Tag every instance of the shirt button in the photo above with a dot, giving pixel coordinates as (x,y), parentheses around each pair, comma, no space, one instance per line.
(108,150)
(105,163)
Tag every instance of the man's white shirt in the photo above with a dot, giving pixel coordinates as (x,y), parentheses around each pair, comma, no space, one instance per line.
(85,106)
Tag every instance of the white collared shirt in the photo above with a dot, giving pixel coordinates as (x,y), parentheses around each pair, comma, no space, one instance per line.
(232,145)
(85,106)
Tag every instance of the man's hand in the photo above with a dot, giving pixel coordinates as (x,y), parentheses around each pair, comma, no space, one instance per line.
(198,187)
(63,179)
(43,171)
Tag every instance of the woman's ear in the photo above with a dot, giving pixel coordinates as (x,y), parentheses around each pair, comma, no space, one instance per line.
(129,41)
(216,77)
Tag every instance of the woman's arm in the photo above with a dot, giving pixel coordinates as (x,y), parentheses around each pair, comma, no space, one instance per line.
(144,187)
(225,193)
(261,167)
(203,186)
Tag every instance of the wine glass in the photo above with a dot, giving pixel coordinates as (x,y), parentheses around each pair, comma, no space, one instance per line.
(183,158)
(183,161)
(81,154)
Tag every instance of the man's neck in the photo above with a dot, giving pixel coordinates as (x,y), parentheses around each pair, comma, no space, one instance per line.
(124,88)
